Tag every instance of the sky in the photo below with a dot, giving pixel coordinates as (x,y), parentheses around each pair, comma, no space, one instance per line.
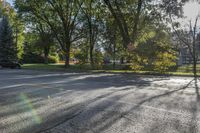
(191,10)
(10,1)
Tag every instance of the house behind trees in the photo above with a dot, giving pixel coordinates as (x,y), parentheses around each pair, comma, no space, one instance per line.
(184,56)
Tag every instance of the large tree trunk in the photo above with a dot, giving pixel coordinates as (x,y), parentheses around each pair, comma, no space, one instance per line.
(194,67)
(46,55)
(122,60)
(67,56)
(195,57)
(91,56)
(46,61)
(114,56)
(136,21)
(114,49)
(91,50)
(91,35)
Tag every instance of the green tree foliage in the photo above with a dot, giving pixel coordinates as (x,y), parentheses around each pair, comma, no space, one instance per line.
(37,58)
(81,56)
(45,42)
(39,49)
(132,30)
(59,15)
(131,15)
(91,14)
(154,51)
(16,24)
(8,49)
(98,60)
(44,39)
(164,62)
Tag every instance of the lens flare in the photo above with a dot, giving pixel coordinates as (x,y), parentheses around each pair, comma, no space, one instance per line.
(24,98)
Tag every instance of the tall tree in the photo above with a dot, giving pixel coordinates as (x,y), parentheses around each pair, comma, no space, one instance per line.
(16,24)
(45,40)
(8,49)
(92,14)
(115,9)
(189,39)
(129,15)
(59,15)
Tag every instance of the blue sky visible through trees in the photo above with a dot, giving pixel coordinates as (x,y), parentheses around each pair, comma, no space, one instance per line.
(10,1)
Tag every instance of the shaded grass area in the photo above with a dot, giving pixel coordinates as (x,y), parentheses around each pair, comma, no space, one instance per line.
(185,70)
(60,66)
(56,67)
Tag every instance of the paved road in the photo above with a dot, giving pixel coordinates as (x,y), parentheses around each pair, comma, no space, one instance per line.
(55,102)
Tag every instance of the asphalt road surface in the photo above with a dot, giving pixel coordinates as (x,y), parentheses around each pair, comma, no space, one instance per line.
(56,102)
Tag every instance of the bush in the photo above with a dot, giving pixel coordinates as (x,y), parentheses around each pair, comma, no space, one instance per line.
(161,63)
(98,60)
(136,67)
(165,62)
(138,63)
(53,59)
(81,57)
(35,58)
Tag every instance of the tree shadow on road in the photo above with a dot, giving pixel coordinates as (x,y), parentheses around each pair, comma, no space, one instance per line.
(195,110)
(164,94)
(96,106)
(193,126)
(177,123)
(112,115)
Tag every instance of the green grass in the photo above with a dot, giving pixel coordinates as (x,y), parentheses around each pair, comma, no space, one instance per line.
(185,70)
(148,72)
(188,68)
(72,67)
(44,66)
(54,67)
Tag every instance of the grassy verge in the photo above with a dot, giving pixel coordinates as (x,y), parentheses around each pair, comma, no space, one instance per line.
(181,71)
(54,67)
(148,72)
(43,66)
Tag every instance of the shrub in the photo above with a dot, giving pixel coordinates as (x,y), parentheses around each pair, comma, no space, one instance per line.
(53,59)
(165,62)
(81,56)
(161,63)
(136,67)
(35,58)
(98,60)
(138,62)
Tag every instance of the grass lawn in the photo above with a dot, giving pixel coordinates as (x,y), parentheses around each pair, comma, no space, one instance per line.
(185,70)
(43,66)
(55,67)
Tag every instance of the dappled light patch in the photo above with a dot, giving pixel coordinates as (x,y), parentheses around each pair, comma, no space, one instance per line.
(24,98)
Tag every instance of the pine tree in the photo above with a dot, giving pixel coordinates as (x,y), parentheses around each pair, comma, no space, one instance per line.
(8,49)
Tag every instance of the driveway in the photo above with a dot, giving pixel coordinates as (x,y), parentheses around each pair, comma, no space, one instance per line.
(56,102)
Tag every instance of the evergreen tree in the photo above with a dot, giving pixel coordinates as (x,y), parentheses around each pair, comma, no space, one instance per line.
(8,49)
